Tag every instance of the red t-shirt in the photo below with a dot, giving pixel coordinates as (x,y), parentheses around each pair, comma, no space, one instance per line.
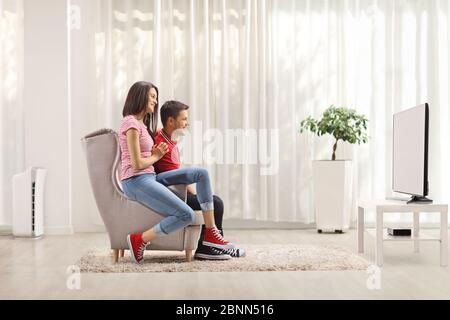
(171,160)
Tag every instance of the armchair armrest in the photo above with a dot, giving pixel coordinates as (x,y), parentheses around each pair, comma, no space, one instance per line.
(180,190)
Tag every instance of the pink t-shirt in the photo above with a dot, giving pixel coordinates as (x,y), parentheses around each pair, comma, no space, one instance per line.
(145,143)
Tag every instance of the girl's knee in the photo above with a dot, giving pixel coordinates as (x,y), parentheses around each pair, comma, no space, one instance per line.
(188,215)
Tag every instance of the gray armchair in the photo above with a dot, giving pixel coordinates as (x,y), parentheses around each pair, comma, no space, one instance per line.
(122,215)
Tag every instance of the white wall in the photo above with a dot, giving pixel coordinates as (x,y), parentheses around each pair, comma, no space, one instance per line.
(46,105)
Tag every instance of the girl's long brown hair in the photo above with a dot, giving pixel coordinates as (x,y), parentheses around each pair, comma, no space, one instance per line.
(136,103)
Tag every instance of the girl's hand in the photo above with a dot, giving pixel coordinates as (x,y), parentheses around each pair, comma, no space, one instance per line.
(160,150)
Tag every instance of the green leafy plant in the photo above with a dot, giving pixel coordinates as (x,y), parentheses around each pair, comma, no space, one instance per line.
(342,123)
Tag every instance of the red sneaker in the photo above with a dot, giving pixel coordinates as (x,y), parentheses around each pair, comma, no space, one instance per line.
(137,246)
(213,238)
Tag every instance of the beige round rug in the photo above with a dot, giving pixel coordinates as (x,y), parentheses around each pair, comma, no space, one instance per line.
(274,257)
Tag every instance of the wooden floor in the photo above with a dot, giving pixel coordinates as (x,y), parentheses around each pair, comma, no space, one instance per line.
(37,269)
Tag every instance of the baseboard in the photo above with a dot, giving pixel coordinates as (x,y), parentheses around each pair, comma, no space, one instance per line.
(90,228)
(423,225)
(58,230)
(256,224)
(249,224)
(5,230)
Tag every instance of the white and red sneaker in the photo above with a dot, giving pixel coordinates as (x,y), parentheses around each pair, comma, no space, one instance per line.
(213,238)
(137,246)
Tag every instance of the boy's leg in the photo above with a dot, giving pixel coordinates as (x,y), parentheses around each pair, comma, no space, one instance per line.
(218,212)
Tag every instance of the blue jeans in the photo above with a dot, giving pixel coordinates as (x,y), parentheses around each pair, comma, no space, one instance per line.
(151,190)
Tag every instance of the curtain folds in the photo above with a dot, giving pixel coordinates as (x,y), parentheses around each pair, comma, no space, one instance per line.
(11,105)
(262,66)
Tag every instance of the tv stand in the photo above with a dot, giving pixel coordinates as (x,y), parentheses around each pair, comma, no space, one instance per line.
(419,199)
(400,207)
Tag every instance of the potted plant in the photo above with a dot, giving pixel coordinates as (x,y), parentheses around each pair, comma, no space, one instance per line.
(333,178)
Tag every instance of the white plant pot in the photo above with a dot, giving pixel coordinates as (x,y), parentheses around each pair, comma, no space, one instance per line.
(332,194)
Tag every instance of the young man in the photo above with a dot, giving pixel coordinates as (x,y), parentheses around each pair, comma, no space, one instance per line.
(174,116)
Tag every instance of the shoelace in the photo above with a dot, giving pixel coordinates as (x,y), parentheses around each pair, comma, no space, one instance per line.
(217,251)
(230,251)
(141,250)
(218,236)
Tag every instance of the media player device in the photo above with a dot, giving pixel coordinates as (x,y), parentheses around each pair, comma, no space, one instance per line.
(399,231)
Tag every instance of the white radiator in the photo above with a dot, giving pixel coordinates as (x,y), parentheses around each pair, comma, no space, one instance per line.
(28,203)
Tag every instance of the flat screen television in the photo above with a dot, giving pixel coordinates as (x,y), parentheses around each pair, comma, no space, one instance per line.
(410,153)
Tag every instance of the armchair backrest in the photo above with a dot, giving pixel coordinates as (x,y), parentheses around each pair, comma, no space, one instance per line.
(103,158)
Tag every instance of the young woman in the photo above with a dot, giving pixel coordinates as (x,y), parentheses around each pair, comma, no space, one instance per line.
(139,181)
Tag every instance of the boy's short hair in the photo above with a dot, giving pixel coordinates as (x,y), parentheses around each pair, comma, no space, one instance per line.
(171,109)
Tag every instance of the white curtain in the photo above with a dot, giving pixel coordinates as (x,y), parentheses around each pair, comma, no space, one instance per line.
(263,66)
(11,107)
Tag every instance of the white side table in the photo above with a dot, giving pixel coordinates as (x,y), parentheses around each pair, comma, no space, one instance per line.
(382,206)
